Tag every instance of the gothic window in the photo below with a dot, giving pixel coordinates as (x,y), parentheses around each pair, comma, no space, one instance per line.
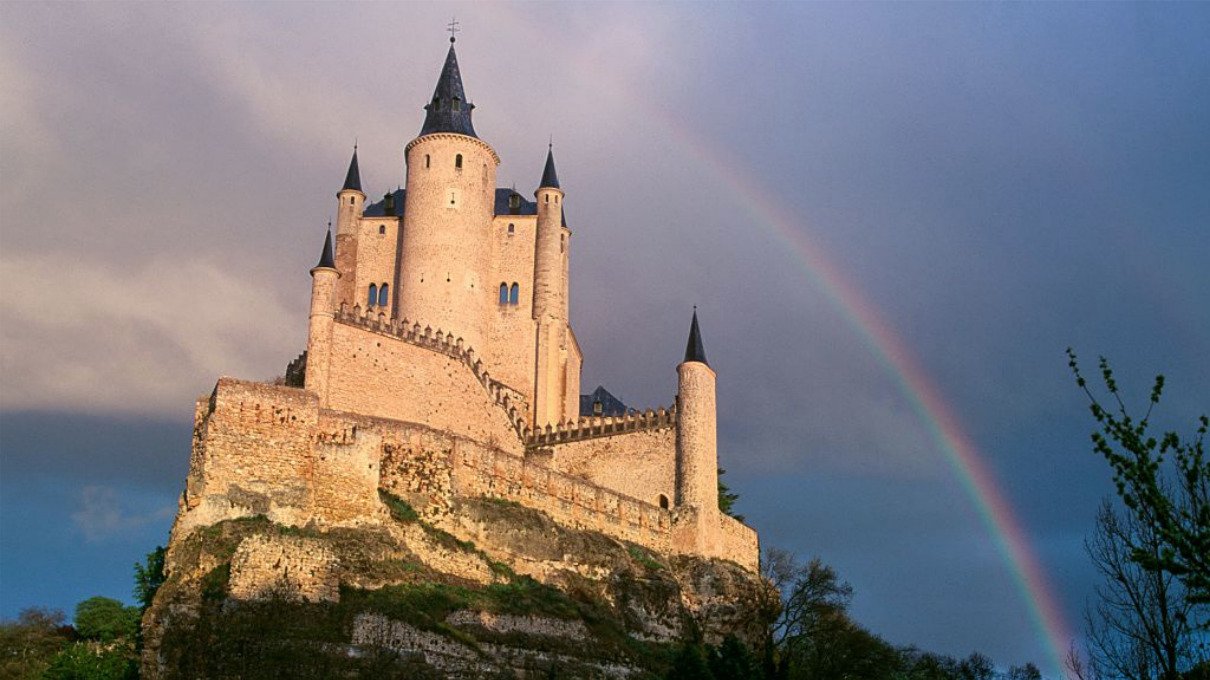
(373,295)
(458,161)
(382,295)
(513,294)
(504,293)
(663,501)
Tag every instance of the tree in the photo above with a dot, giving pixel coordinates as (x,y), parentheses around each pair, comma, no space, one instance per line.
(28,644)
(1026,672)
(1172,500)
(105,619)
(727,497)
(1139,628)
(689,664)
(148,577)
(732,661)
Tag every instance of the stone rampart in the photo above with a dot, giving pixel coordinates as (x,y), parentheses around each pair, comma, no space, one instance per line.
(270,450)
(392,368)
(589,427)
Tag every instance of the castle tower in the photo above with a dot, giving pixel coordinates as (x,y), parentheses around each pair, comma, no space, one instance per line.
(550,301)
(350,204)
(451,180)
(324,278)
(696,429)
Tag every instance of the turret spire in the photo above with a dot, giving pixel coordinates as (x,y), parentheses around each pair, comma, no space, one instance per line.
(353,177)
(550,178)
(694,350)
(449,111)
(325,258)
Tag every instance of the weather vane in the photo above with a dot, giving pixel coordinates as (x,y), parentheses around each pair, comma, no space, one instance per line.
(452,27)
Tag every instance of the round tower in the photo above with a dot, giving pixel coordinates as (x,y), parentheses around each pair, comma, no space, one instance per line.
(324,278)
(451,180)
(696,428)
(550,291)
(350,204)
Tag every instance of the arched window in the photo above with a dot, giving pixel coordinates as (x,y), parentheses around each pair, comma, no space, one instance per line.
(663,501)
(513,294)
(458,161)
(426,161)
(373,295)
(382,295)
(382,229)
(511,227)
(504,293)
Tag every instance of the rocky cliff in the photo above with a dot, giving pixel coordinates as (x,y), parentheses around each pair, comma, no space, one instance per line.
(488,588)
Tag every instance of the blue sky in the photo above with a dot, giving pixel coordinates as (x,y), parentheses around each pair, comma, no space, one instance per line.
(999,180)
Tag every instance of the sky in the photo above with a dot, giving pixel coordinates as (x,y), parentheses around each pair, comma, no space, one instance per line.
(890,216)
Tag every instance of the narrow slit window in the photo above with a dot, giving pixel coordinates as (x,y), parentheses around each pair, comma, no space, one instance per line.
(382,295)
(458,161)
(514,294)
(426,161)
(373,300)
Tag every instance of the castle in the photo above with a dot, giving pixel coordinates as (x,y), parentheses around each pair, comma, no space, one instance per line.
(440,363)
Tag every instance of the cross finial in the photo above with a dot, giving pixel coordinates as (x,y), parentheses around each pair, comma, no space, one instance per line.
(452,27)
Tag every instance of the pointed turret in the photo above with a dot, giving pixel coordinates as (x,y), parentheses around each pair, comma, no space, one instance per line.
(449,111)
(550,178)
(694,350)
(353,176)
(325,258)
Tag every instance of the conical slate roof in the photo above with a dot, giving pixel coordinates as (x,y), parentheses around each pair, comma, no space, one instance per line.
(694,350)
(353,177)
(325,258)
(449,111)
(550,178)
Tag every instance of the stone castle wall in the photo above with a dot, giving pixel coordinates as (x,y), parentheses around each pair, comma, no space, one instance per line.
(388,376)
(269,450)
(642,461)
(377,260)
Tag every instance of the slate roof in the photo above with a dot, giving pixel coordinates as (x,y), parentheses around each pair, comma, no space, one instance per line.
(610,405)
(449,111)
(693,349)
(353,176)
(325,257)
(525,207)
(550,178)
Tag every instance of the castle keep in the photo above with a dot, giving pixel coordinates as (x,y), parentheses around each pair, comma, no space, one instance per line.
(440,365)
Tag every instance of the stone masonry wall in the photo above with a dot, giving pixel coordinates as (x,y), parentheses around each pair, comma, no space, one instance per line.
(269,450)
(380,375)
(641,463)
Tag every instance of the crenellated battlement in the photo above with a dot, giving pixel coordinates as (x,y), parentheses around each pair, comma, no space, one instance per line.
(508,398)
(591,427)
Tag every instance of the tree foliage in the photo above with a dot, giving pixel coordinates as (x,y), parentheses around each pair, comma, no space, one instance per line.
(727,497)
(1139,628)
(148,577)
(1164,480)
(28,644)
(105,619)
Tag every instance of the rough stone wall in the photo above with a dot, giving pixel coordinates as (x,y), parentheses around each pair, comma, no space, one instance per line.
(640,463)
(510,347)
(383,376)
(377,260)
(255,452)
(289,567)
(447,239)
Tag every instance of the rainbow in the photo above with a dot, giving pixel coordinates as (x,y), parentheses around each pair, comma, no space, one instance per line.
(925,398)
